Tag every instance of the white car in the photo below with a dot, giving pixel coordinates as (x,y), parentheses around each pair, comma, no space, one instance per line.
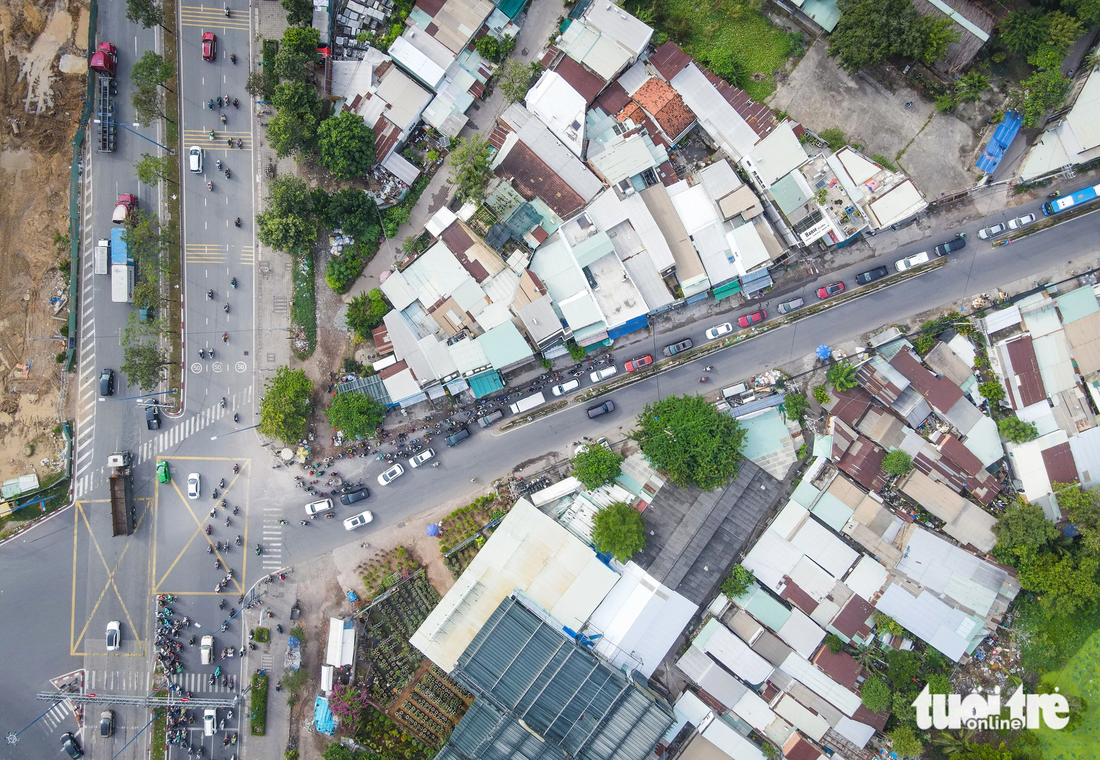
(719,331)
(206,650)
(315,507)
(422,457)
(358,520)
(114,636)
(912,261)
(990,231)
(563,388)
(391,475)
(194,157)
(209,721)
(603,374)
(1020,221)
(194,486)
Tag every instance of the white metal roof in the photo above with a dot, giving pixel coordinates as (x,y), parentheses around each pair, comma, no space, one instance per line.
(984,441)
(406,50)
(754,710)
(719,179)
(801,633)
(750,250)
(440,221)
(725,126)
(1028,465)
(731,651)
(947,629)
(560,107)
(771,558)
(633,78)
(1084,117)
(723,736)
(1055,362)
(532,553)
(341,642)
(598,52)
(709,676)
(536,136)
(694,207)
(824,548)
(616,23)
(855,732)
(776,156)
(898,203)
(933,562)
(811,724)
(406,98)
(608,211)
(789,519)
(821,683)
(867,577)
(812,579)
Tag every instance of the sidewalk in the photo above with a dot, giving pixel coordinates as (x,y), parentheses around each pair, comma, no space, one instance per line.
(278,597)
(273,286)
(536,21)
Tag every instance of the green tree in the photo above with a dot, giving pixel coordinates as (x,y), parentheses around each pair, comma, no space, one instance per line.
(292,65)
(970,86)
(834,643)
(954,742)
(870,31)
(513,79)
(145,244)
(292,133)
(301,40)
(298,97)
(992,391)
(365,312)
(1023,31)
(356,414)
(148,103)
(285,407)
(145,12)
(691,441)
(151,70)
(142,362)
(152,169)
(897,463)
(346,144)
(1024,530)
(470,167)
(795,406)
(259,86)
(1064,584)
(901,668)
(298,12)
(1082,506)
(287,223)
(939,684)
(353,212)
(738,582)
(938,34)
(876,695)
(821,394)
(489,47)
(1040,93)
(842,376)
(147,296)
(1016,430)
(1062,31)
(888,624)
(905,741)
(596,465)
(618,530)
(835,137)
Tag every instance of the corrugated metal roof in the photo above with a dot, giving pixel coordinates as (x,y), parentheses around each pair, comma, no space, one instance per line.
(559,690)
(1083,335)
(933,562)
(709,676)
(947,629)
(719,642)
(721,121)
(809,723)
(1055,362)
(822,684)
(615,22)
(801,633)
(1084,117)
(777,155)
(824,548)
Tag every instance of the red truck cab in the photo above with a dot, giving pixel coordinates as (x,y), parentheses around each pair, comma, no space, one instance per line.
(124,208)
(104,59)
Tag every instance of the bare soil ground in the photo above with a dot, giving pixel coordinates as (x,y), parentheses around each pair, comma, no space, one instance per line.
(42,50)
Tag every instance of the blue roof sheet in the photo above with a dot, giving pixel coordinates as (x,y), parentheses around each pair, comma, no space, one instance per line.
(1002,138)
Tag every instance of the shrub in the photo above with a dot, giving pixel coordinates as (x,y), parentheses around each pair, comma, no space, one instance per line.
(576,353)
(365,312)
(262,635)
(821,394)
(618,530)
(834,643)
(888,624)
(299,633)
(739,581)
(897,463)
(1016,430)
(885,162)
(992,391)
(259,705)
(835,137)
(876,695)
(341,272)
(795,405)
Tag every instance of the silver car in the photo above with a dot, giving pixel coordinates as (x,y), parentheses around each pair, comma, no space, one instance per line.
(1020,221)
(789,306)
(991,231)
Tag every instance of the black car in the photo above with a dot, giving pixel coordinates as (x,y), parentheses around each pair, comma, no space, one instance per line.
(458,437)
(602,409)
(354,495)
(68,743)
(107,382)
(152,418)
(676,348)
(952,245)
(871,275)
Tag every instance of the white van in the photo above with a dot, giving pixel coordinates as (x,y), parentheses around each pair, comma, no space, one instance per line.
(603,374)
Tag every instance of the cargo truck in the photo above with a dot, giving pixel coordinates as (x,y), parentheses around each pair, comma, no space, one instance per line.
(122,493)
(122,268)
(527,404)
(103,62)
(124,208)
(102,252)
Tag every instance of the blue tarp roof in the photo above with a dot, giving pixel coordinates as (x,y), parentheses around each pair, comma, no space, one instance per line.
(485,383)
(1002,138)
(323,717)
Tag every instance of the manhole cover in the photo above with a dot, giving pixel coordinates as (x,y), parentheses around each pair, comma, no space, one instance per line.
(271,358)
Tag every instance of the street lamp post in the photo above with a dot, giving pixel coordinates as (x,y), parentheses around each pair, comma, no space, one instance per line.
(139,134)
(232,432)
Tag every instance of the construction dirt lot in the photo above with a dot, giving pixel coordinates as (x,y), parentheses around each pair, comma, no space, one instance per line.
(41,97)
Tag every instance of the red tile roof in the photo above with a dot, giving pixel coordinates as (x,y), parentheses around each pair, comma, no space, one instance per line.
(667,173)
(798,748)
(393,369)
(666,106)
(588,84)
(456,238)
(499,134)
(539,234)
(878,385)
(430,7)
(669,60)
(382,342)
(852,620)
(940,392)
(1061,467)
(549,56)
(1026,369)
(841,667)
(534,179)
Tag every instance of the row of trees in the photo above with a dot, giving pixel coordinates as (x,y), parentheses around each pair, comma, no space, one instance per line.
(1044,39)
(870,31)
(144,357)
(286,406)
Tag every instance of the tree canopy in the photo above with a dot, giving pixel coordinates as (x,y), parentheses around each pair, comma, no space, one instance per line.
(146,244)
(365,312)
(691,441)
(346,144)
(1065,583)
(151,70)
(870,31)
(298,12)
(795,406)
(738,581)
(287,223)
(292,133)
(513,79)
(596,465)
(1023,31)
(470,167)
(842,376)
(1016,430)
(285,405)
(353,212)
(1023,529)
(618,530)
(142,362)
(1082,506)
(151,169)
(145,12)
(876,695)
(897,463)
(356,414)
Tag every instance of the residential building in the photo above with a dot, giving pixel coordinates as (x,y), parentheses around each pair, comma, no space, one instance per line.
(561,108)
(389,100)
(1073,138)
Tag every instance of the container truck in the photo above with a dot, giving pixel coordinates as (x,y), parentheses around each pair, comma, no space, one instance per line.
(102,252)
(122,268)
(527,404)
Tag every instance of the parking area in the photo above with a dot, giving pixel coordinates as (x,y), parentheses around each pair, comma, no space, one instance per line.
(820,95)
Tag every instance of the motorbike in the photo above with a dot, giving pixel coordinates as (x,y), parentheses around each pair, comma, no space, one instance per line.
(227,522)
(236,103)
(226,308)
(221,483)
(210,186)
(259,549)
(219,101)
(240,143)
(233,282)
(236,468)
(236,417)
(191,640)
(218,163)
(210,295)
(213,136)
(237,223)
(227,173)
(703,379)
(211,352)
(211,104)
(208,530)
(238,541)
(214,494)
(217,564)
(304,522)
(1055,194)
(223,402)
(223,119)
(227,13)
(232,57)
(707,369)
(278,629)
(221,605)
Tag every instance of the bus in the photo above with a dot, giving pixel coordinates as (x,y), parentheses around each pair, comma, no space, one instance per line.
(1074,199)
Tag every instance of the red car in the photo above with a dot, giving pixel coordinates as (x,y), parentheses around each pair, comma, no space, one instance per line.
(751,319)
(830,290)
(209,46)
(641,361)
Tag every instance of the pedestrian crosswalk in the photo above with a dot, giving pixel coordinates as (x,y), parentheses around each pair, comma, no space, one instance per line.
(58,714)
(174,435)
(248,256)
(272,540)
(119,681)
(199,683)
